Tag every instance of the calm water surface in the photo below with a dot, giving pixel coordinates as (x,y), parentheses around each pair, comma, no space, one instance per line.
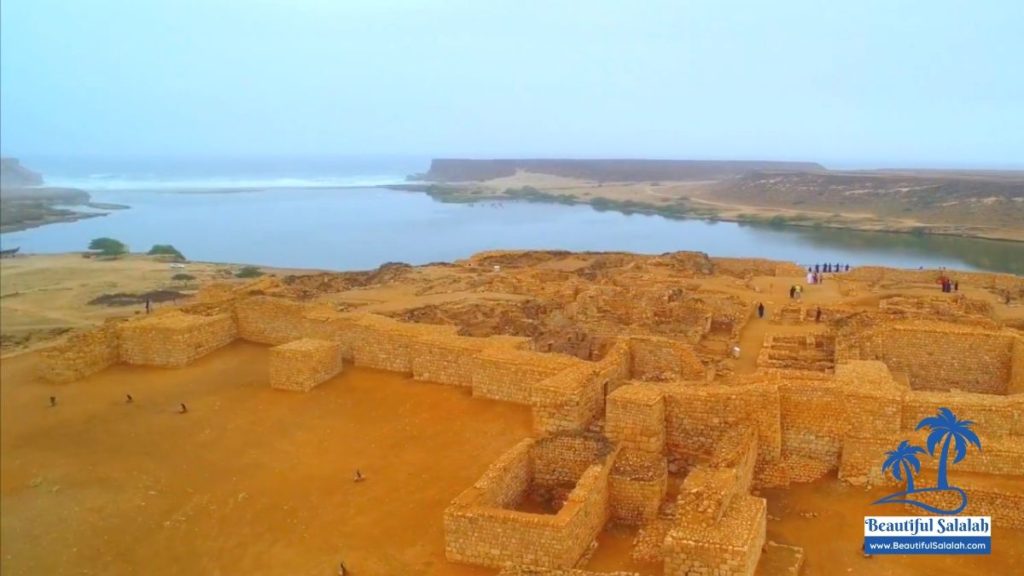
(361,228)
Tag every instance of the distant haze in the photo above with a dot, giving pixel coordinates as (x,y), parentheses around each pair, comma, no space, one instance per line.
(849,84)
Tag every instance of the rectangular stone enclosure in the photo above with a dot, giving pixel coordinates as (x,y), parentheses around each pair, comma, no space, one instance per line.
(303,364)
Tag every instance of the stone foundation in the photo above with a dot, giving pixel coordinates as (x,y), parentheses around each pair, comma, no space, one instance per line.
(304,364)
(173,339)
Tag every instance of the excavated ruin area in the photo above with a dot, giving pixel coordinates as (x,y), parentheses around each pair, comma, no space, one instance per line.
(521,413)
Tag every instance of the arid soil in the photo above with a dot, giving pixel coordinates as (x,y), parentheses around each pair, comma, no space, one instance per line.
(257,481)
(251,480)
(976,204)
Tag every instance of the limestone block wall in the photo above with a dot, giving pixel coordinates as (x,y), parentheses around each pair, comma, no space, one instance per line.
(173,339)
(862,458)
(697,417)
(992,415)
(635,418)
(662,359)
(945,356)
(1016,385)
(637,486)
(269,320)
(563,458)
(80,355)
(737,451)
(510,375)
(719,530)
(1002,502)
(445,359)
(301,365)
(569,400)
(872,400)
(479,532)
(812,422)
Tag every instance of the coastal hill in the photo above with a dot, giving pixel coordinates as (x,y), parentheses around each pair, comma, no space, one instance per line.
(26,203)
(13,174)
(984,204)
(612,170)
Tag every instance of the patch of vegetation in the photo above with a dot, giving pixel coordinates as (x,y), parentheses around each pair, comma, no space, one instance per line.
(128,299)
(183,278)
(165,250)
(249,272)
(108,247)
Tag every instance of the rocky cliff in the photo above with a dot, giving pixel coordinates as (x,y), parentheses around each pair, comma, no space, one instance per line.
(13,174)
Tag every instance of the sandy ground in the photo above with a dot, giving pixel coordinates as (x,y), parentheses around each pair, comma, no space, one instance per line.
(701,196)
(258,481)
(42,295)
(250,481)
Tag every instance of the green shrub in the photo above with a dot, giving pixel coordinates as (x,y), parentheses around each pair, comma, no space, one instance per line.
(165,250)
(182,277)
(108,246)
(249,272)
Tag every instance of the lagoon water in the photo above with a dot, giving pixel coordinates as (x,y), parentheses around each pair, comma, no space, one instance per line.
(361,228)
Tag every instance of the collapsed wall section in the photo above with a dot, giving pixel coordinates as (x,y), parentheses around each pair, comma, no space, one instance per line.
(663,359)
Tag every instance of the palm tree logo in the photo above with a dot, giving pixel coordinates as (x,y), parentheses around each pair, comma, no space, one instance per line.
(903,462)
(945,429)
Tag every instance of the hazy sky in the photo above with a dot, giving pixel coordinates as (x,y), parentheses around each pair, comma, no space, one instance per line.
(844,82)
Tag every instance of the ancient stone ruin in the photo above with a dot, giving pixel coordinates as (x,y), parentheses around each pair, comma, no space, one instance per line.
(633,423)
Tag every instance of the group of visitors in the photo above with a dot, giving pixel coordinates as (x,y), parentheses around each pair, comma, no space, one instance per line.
(795,291)
(828,268)
(949,285)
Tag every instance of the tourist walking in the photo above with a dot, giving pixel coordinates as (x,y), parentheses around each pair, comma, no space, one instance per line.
(760,310)
(792,292)
(147,306)
(53,401)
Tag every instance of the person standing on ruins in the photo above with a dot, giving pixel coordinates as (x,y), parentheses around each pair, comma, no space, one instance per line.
(792,292)
(760,309)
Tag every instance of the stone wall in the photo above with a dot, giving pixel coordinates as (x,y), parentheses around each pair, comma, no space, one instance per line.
(635,418)
(662,359)
(269,320)
(445,359)
(303,364)
(80,355)
(720,529)
(510,375)
(637,486)
(992,415)
(173,339)
(479,530)
(697,417)
(944,357)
